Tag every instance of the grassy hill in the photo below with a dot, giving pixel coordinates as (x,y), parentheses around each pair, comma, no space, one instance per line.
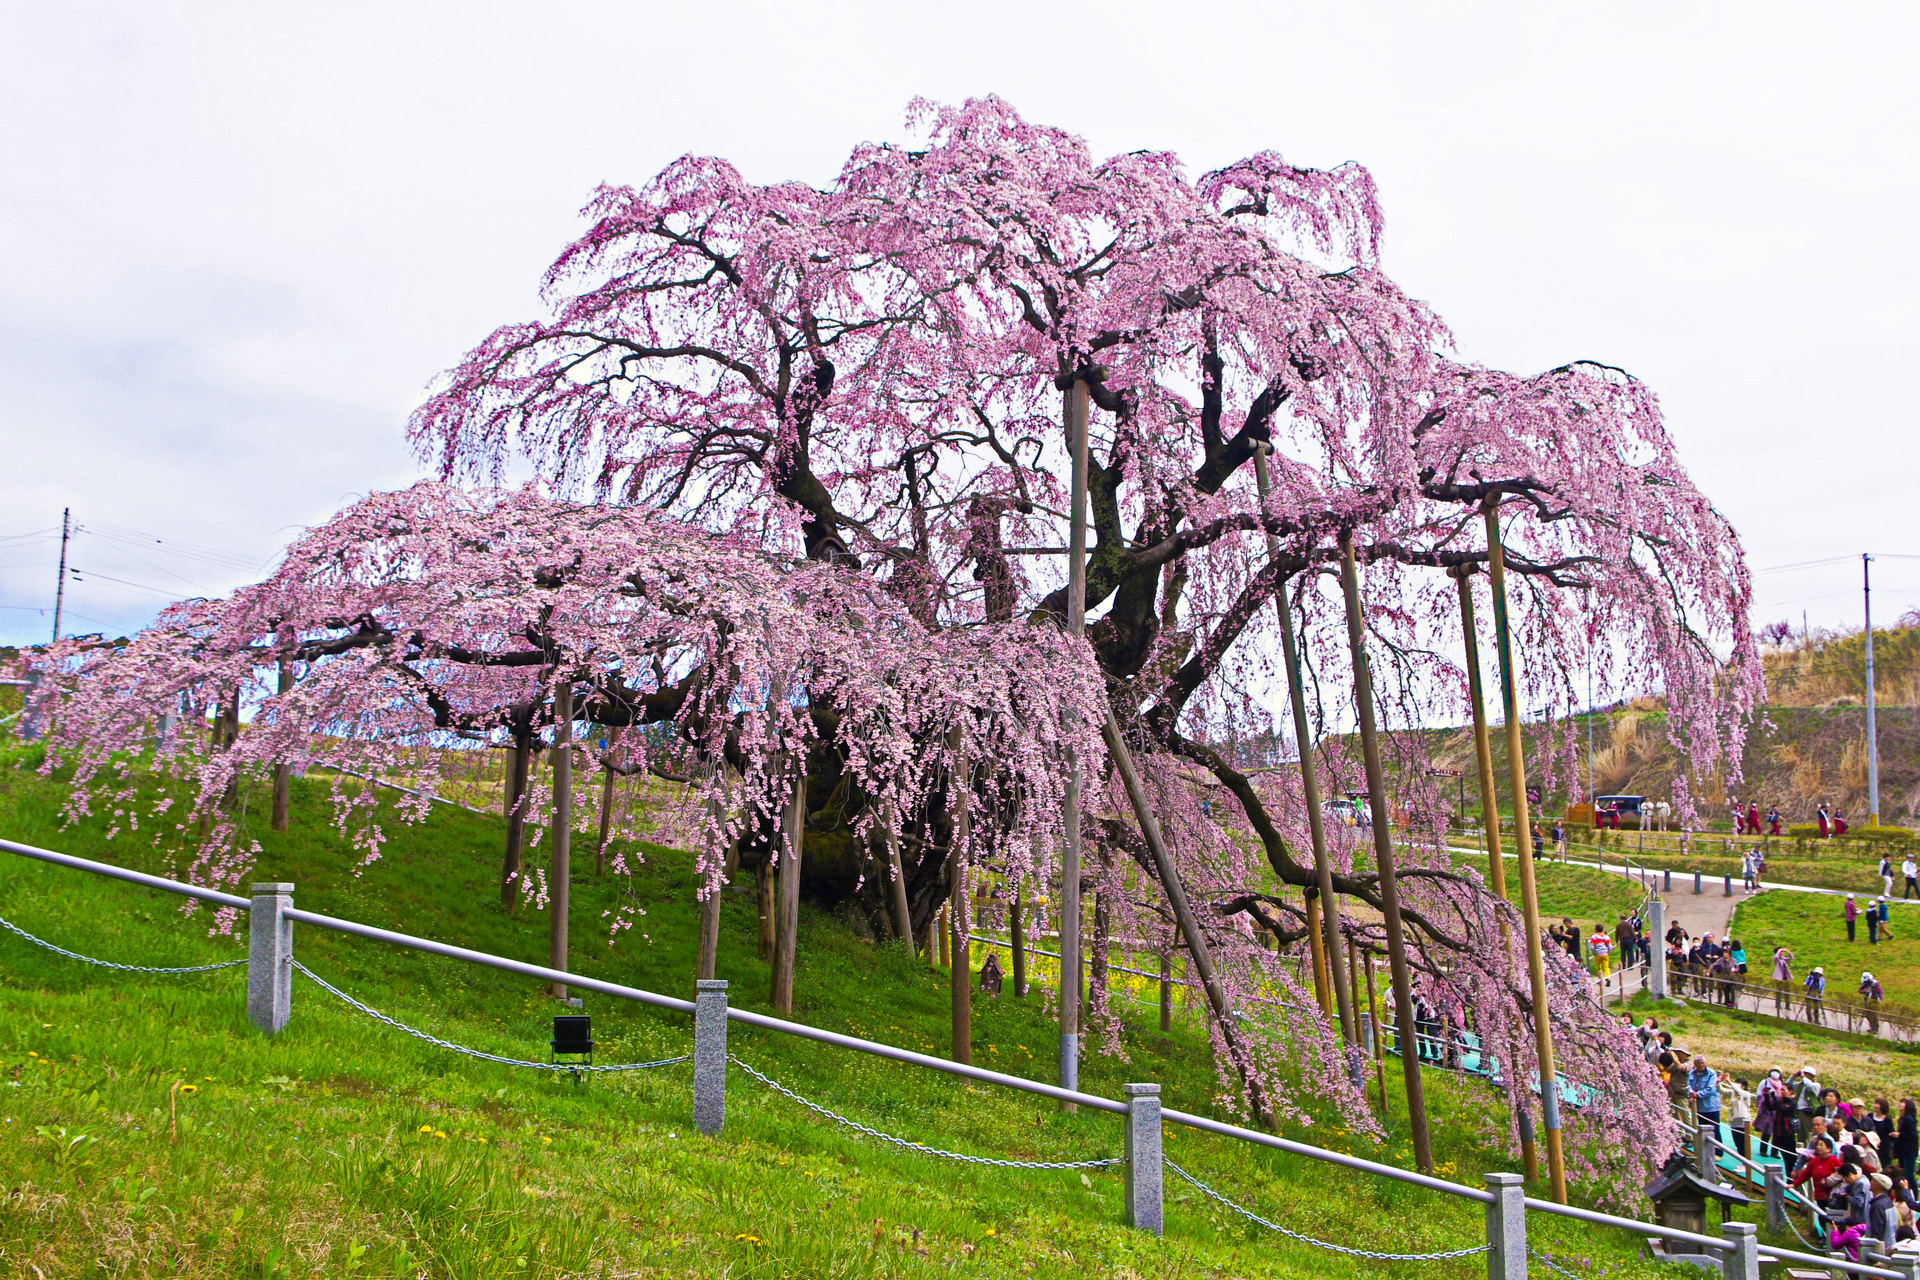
(148,1130)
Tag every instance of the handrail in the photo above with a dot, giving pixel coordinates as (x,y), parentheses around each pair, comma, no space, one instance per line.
(121,873)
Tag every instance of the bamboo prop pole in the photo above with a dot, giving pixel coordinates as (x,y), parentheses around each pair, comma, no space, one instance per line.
(1523,844)
(1490,821)
(960,785)
(1383,854)
(1075,408)
(559,889)
(1170,884)
(1310,786)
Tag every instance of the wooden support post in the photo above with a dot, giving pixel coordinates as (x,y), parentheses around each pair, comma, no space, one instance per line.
(959,901)
(1176,893)
(516,807)
(282,774)
(1398,971)
(1490,818)
(1523,843)
(786,932)
(1077,401)
(897,891)
(1017,925)
(1343,994)
(560,872)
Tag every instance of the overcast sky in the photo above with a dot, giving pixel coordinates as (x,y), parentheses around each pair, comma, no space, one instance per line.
(237,240)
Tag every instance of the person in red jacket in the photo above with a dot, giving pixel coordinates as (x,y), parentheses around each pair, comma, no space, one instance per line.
(1817,1168)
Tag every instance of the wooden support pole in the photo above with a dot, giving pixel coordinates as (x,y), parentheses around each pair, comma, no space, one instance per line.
(897,890)
(1523,843)
(516,806)
(282,773)
(1398,971)
(786,931)
(1017,926)
(1343,994)
(560,873)
(959,903)
(1170,884)
(1077,401)
(1490,809)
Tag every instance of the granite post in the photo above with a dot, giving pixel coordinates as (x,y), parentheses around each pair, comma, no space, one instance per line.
(1507,1227)
(270,958)
(1742,1261)
(710,1055)
(1144,1172)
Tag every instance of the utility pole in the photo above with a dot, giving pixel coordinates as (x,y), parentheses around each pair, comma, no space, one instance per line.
(60,588)
(1873,738)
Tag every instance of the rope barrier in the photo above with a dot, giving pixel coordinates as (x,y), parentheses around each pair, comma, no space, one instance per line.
(922,1148)
(1291,1234)
(13,928)
(437,1042)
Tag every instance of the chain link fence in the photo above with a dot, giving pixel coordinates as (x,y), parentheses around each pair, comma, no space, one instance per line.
(919,1147)
(16,930)
(438,1043)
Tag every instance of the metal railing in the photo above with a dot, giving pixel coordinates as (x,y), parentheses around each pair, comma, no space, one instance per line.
(271,967)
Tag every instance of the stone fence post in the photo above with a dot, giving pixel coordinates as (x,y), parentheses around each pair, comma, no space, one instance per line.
(270,958)
(1742,1261)
(710,1055)
(1144,1171)
(1507,1227)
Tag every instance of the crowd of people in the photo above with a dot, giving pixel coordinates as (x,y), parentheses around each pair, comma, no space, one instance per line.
(1852,1159)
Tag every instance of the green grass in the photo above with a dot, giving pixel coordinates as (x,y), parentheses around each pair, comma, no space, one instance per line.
(1588,895)
(341,1147)
(1813,928)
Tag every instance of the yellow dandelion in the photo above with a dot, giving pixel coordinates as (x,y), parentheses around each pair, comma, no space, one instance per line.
(426,1128)
(479,1139)
(439,1133)
(548,1141)
(32,1053)
(992,1232)
(189,1088)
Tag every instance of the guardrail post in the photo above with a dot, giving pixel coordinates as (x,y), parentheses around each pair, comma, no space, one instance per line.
(1667,886)
(1366,1033)
(1144,1171)
(1742,1260)
(710,1055)
(1705,1151)
(1907,1264)
(1696,882)
(1507,1227)
(1729,892)
(270,958)
(1657,948)
(1776,1199)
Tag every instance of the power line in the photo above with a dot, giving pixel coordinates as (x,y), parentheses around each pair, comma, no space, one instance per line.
(86,575)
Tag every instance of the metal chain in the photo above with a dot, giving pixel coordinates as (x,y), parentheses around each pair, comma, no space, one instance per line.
(13,928)
(436,1041)
(1322,1244)
(1551,1264)
(922,1148)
